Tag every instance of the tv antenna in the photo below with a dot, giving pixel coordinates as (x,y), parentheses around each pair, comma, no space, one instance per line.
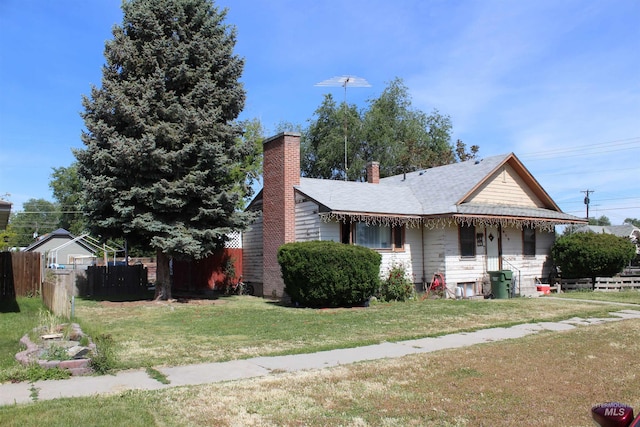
(344,81)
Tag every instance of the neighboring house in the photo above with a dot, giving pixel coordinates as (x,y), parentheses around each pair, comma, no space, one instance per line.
(61,249)
(626,230)
(461,220)
(5,211)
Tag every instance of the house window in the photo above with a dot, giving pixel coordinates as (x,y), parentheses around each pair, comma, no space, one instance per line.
(377,236)
(467,240)
(528,241)
(398,237)
(345,232)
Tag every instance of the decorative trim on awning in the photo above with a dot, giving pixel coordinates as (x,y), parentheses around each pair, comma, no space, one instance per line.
(504,222)
(369,219)
(442,221)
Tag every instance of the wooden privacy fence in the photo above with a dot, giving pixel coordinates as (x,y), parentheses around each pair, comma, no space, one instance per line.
(55,296)
(20,274)
(116,281)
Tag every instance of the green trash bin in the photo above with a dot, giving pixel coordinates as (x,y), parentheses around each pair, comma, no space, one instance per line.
(501,283)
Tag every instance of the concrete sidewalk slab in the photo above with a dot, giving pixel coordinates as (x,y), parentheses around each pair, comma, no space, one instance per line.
(330,358)
(206,373)
(78,387)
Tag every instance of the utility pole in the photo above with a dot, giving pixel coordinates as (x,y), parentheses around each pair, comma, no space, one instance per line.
(586,200)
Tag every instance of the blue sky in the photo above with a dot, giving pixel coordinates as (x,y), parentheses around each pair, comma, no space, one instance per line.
(557,82)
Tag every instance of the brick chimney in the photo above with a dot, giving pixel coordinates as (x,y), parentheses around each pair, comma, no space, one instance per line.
(281,171)
(373,172)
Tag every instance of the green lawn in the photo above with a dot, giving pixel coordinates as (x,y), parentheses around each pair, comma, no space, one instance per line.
(627,296)
(14,325)
(155,334)
(148,333)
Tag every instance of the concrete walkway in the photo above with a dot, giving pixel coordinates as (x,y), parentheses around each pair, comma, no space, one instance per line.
(207,373)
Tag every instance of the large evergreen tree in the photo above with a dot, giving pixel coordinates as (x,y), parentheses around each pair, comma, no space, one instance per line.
(163,155)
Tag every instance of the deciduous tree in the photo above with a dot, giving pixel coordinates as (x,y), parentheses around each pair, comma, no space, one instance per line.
(389,130)
(67,190)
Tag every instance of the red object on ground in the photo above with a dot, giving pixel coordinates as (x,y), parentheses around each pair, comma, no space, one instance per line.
(546,289)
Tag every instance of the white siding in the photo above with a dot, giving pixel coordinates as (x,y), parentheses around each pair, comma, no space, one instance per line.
(434,256)
(527,268)
(307,221)
(461,269)
(252,264)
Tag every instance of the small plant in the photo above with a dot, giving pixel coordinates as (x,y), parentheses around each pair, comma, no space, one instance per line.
(55,352)
(103,360)
(84,341)
(157,375)
(397,286)
(48,322)
(34,392)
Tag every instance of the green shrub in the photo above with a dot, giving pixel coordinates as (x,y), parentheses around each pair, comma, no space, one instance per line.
(397,286)
(592,255)
(329,274)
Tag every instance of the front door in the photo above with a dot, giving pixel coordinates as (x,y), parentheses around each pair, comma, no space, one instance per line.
(493,248)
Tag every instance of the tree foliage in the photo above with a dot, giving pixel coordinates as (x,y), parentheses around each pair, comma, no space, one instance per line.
(602,220)
(67,190)
(164,162)
(38,217)
(632,221)
(389,131)
(592,254)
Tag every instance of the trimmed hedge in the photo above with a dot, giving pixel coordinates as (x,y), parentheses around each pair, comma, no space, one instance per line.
(329,274)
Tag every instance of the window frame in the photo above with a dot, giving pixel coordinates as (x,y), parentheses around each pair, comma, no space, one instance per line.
(528,241)
(396,237)
(467,240)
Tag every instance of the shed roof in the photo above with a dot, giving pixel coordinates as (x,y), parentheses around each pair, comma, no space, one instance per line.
(5,211)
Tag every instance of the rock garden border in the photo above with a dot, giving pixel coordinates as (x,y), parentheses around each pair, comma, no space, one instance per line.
(79,364)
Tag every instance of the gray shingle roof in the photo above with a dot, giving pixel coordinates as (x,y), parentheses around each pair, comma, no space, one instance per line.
(431,192)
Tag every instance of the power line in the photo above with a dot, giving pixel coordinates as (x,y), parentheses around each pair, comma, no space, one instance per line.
(582,148)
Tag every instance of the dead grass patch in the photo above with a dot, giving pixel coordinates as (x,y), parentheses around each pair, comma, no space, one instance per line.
(550,379)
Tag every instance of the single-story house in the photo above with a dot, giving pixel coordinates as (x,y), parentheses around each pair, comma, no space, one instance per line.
(626,230)
(62,249)
(461,220)
(5,212)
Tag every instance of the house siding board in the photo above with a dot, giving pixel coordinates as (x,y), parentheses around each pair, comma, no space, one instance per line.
(461,269)
(529,268)
(307,221)
(252,253)
(434,247)
(505,187)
